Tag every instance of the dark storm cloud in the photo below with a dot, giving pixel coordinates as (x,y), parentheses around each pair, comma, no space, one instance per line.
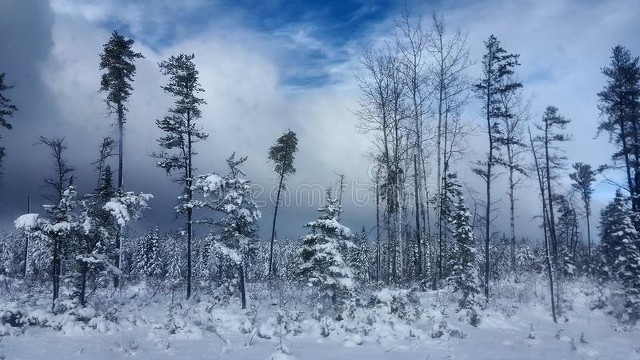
(25,43)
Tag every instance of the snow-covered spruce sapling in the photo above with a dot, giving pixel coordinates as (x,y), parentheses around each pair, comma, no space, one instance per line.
(236,233)
(464,275)
(324,267)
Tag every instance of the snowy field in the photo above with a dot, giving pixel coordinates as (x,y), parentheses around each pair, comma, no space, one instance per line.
(385,325)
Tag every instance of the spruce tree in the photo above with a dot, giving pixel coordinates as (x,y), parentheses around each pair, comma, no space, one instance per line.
(464,274)
(621,250)
(611,223)
(237,235)
(324,267)
(181,133)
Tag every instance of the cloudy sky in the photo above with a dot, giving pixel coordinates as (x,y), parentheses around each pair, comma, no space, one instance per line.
(268,66)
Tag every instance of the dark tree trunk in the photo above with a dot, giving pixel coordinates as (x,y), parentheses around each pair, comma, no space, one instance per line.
(550,269)
(243,293)
(189,181)
(417,211)
(273,226)
(120,110)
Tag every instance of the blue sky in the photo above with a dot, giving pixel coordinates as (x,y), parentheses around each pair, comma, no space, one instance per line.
(314,34)
(270,66)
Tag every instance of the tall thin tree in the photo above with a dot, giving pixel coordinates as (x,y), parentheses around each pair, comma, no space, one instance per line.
(117,59)
(619,103)
(181,133)
(282,153)
(583,178)
(497,67)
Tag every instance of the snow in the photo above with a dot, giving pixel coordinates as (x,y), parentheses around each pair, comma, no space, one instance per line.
(27,222)
(152,327)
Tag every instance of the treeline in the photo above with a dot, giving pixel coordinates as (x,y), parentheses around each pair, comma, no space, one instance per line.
(414,90)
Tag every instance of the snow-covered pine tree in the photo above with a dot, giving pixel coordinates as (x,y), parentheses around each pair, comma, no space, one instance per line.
(611,218)
(96,246)
(232,196)
(173,257)
(567,236)
(147,259)
(359,256)
(620,249)
(464,274)
(324,267)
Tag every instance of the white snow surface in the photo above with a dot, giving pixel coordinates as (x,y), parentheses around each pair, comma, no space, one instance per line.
(142,325)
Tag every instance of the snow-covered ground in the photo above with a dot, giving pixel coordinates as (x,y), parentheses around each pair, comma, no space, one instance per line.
(279,324)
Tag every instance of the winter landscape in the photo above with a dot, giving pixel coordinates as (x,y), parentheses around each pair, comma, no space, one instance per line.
(319,180)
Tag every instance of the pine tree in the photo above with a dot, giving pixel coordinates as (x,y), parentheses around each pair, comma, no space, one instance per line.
(95,250)
(148,260)
(181,133)
(324,266)
(497,67)
(6,110)
(282,154)
(359,256)
(619,101)
(611,220)
(233,197)
(117,60)
(621,250)
(583,179)
(464,274)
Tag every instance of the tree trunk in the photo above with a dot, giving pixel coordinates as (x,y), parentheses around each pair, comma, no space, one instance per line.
(189,182)
(55,271)
(550,269)
(378,249)
(243,293)
(417,211)
(487,219)
(273,226)
(116,279)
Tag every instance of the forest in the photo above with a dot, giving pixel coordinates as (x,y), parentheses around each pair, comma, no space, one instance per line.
(442,272)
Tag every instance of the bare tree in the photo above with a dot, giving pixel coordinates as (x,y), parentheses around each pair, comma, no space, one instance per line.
(449,55)
(545,220)
(61,180)
(382,114)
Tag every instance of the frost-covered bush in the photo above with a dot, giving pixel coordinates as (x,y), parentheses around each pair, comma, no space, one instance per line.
(402,303)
